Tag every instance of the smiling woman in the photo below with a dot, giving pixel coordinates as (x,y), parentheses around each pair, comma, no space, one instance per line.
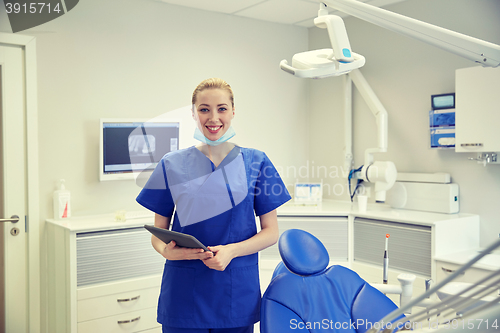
(216,188)
(213,110)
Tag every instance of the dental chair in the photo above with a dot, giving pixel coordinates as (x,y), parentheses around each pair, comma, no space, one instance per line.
(306,296)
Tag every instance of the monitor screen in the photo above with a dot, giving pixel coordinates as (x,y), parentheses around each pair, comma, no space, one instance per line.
(129,147)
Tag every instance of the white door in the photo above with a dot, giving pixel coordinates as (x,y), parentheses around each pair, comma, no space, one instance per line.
(15,282)
(14,188)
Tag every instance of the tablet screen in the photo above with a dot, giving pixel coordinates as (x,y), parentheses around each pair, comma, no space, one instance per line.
(182,240)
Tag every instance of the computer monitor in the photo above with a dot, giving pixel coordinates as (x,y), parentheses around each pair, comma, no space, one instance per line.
(129,147)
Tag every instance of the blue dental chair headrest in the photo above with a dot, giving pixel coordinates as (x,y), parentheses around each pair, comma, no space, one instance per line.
(291,246)
(305,294)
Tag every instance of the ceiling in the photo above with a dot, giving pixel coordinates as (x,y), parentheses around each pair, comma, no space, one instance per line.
(294,12)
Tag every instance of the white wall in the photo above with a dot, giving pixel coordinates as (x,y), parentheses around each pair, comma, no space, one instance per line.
(134,58)
(404,73)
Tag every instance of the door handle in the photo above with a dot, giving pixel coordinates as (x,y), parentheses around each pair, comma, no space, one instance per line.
(13,219)
(447,270)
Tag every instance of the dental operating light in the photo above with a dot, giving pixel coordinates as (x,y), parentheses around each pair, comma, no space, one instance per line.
(341,60)
(323,63)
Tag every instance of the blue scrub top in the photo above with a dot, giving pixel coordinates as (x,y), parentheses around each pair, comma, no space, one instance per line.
(218,206)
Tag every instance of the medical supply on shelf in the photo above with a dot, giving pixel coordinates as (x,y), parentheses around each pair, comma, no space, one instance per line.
(442,137)
(443,101)
(442,121)
(308,193)
(61,202)
(442,118)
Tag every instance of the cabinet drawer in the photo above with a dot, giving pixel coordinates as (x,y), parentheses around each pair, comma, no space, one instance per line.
(115,304)
(135,321)
(445,269)
(153,330)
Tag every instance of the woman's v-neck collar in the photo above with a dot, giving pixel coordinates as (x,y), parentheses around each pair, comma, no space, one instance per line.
(233,153)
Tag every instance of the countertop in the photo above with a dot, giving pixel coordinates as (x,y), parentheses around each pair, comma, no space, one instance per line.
(488,262)
(374,211)
(328,208)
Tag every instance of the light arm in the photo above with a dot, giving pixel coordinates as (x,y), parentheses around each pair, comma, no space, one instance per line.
(338,36)
(322,63)
(378,111)
(485,53)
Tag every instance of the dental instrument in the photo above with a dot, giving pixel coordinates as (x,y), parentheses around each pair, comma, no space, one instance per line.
(386,259)
(472,300)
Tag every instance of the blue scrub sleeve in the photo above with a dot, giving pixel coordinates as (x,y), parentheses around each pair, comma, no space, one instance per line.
(270,191)
(156,195)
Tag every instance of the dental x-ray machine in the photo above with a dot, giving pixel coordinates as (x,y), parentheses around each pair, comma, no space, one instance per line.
(341,60)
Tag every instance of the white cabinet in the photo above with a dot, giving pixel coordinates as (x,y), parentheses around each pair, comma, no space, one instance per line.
(445,269)
(477,111)
(409,244)
(126,311)
(416,239)
(448,264)
(357,239)
(104,276)
(413,244)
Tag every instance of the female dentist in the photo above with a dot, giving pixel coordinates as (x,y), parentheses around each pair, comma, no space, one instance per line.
(216,188)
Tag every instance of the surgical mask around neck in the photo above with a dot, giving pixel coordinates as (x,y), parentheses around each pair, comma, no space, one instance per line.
(198,135)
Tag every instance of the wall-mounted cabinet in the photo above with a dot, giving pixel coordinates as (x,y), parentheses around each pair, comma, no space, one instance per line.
(477,110)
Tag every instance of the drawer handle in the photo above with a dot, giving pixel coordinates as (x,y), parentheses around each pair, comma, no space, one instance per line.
(447,270)
(128,321)
(471,144)
(128,299)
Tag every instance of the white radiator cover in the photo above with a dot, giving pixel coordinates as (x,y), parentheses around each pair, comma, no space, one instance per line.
(409,245)
(427,197)
(112,255)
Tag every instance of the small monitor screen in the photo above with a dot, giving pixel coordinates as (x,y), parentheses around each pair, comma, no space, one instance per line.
(443,101)
(134,146)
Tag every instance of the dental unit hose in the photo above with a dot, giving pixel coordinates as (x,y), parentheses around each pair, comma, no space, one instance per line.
(352,174)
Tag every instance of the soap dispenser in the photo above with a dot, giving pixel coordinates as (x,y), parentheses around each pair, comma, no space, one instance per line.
(62,207)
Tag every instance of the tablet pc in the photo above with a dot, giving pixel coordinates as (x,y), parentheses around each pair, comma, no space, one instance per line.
(182,240)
